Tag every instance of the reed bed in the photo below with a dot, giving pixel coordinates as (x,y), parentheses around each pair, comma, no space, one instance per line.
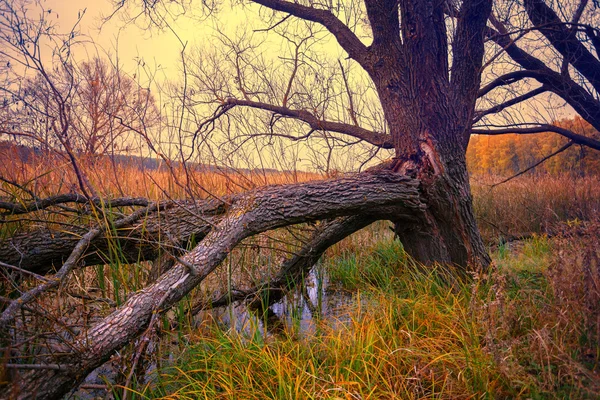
(533,203)
(154,179)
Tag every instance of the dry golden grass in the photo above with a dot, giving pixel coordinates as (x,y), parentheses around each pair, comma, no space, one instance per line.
(51,174)
(533,204)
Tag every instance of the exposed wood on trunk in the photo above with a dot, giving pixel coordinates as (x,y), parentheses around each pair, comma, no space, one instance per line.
(427,90)
(429,113)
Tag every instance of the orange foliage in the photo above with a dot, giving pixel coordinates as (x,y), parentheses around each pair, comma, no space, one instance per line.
(508,154)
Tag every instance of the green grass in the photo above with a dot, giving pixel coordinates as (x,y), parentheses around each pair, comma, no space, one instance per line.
(533,254)
(378,267)
(410,333)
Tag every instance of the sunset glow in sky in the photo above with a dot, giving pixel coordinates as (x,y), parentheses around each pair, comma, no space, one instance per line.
(158,48)
(131,41)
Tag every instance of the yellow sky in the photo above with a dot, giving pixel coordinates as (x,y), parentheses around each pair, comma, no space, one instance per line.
(161,49)
(131,41)
(156,47)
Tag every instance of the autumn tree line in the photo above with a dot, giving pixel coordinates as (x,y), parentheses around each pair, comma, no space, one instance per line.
(507,155)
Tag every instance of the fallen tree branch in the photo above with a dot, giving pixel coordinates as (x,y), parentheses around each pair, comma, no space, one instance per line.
(39,250)
(54,367)
(256,212)
(42,204)
(24,271)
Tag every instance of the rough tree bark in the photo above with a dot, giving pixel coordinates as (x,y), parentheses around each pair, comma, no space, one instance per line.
(292,270)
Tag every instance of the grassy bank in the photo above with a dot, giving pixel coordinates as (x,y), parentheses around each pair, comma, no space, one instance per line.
(528,329)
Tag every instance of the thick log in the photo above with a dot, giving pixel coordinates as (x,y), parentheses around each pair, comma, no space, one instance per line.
(173,225)
(256,212)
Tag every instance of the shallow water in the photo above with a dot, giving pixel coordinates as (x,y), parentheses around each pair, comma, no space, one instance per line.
(299,312)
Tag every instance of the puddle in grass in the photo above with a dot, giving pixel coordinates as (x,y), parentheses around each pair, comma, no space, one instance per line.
(299,312)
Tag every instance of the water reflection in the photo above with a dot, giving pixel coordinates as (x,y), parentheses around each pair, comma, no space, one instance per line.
(296,315)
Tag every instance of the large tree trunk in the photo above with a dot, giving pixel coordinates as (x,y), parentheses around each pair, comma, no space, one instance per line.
(429,117)
(449,232)
(431,147)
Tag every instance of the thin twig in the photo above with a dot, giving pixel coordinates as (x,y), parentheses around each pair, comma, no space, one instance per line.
(565,147)
(34,366)
(21,187)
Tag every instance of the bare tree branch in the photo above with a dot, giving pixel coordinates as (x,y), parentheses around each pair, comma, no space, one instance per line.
(375,138)
(506,79)
(351,109)
(37,250)
(10,312)
(292,270)
(563,40)
(594,36)
(581,100)
(345,37)
(468,50)
(563,148)
(516,100)
(574,137)
(259,211)
(41,204)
